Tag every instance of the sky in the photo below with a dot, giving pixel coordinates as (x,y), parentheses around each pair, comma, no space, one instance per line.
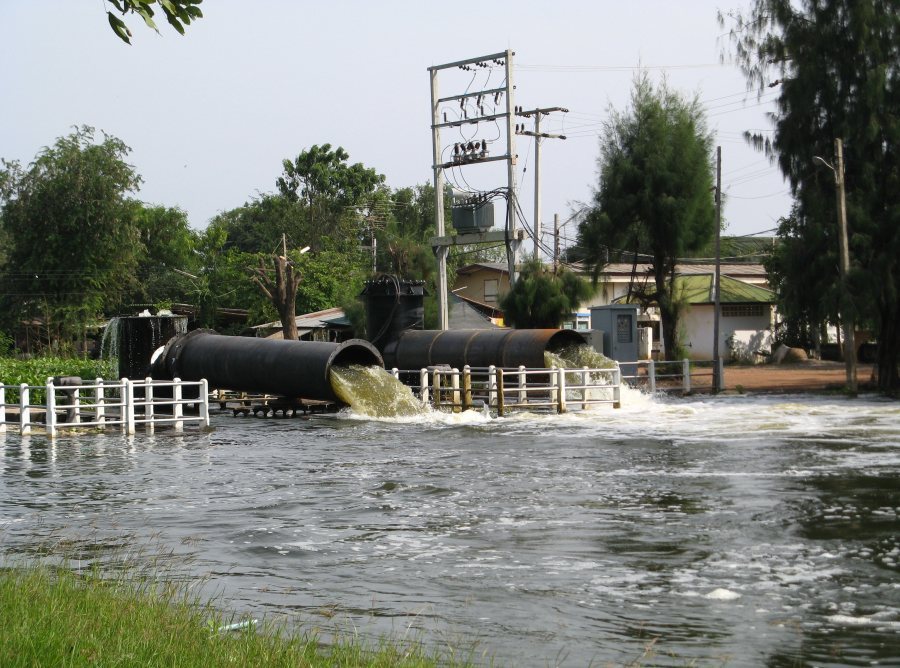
(211,115)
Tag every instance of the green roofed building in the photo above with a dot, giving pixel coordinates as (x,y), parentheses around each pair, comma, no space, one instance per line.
(748,305)
(746,319)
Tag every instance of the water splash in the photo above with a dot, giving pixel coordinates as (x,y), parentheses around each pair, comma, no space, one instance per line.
(109,343)
(583,356)
(577,357)
(372,391)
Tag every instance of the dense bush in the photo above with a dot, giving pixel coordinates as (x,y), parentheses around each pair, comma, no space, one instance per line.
(36,371)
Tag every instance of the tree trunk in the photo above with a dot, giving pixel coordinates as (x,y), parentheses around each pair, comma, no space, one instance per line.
(286,289)
(669,325)
(282,293)
(888,354)
(668,311)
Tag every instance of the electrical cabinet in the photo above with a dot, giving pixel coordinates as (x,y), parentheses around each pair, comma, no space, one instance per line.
(620,336)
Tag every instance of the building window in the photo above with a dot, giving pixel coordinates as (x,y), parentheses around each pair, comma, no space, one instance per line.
(491,286)
(743,310)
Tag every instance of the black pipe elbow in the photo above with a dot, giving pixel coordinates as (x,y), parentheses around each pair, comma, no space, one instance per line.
(293,369)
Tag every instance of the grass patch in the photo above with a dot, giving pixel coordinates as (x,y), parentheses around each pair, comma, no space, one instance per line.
(54,617)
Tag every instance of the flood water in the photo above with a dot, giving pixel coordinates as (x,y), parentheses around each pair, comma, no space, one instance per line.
(740,531)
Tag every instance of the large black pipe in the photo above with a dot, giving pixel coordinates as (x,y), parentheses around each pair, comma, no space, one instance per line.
(416,349)
(284,368)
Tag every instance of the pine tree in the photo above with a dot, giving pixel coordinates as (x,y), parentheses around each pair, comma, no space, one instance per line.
(836,64)
(654,195)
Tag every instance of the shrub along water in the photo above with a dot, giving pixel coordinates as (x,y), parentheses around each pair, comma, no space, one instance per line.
(36,371)
(54,617)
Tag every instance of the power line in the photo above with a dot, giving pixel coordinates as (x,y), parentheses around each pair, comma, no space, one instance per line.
(612,68)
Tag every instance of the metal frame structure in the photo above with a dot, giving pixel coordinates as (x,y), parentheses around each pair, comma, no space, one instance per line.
(441,243)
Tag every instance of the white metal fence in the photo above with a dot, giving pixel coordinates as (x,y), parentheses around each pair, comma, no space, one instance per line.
(505,390)
(676,375)
(103,404)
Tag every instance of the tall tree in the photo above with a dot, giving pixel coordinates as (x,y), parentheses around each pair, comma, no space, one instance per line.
(542,299)
(178,13)
(837,65)
(334,192)
(74,246)
(166,256)
(803,319)
(257,226)
(654,193)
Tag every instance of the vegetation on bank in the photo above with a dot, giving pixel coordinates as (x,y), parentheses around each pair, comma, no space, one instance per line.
(35,371)
(54,617)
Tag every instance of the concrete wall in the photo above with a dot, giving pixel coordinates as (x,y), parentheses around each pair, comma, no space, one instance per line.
(697,327)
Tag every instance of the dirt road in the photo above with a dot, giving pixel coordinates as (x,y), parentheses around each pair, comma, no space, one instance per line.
(809,376)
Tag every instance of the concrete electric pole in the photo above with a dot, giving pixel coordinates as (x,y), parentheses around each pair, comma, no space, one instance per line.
(843,243)
(718,384)
(538,136)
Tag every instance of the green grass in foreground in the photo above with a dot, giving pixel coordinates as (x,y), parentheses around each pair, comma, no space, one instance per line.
(53,617)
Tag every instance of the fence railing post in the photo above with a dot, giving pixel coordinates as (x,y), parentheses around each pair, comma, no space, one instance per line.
(721,375)
(617,387)
(436,388)
(585,375)
(423,385)
(561,391)
(76,405)
(523,391)
(467,388)
(177,411)
(2,409)
(99,401)
(500,399)
(554,383)
(651,375)
(204,403)
(395,372)
(50,416)
(149,412)
(24,409)
(454,384)
(128,390)
(686,375)
(492,385)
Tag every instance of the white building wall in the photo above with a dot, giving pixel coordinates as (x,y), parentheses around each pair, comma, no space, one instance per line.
(697,325)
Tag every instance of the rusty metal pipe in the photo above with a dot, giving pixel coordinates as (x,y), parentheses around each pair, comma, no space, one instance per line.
(294,369)
(416,349)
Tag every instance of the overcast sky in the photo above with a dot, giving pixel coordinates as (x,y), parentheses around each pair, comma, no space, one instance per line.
(211,115)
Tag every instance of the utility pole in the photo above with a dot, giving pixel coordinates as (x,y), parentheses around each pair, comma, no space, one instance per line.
(717,368)
(470,155)
(849,334)
(844,260)
(538,136)
(555,243)
(512,247)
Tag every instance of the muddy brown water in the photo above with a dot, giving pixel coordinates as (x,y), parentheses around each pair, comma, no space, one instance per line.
(743,530)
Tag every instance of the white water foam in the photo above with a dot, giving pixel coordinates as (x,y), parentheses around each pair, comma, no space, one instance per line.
(720,594)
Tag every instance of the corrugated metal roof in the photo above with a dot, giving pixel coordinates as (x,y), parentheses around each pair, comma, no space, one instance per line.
(748,270)
(501,267)
(624,269)
(315,320)
(698,289)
